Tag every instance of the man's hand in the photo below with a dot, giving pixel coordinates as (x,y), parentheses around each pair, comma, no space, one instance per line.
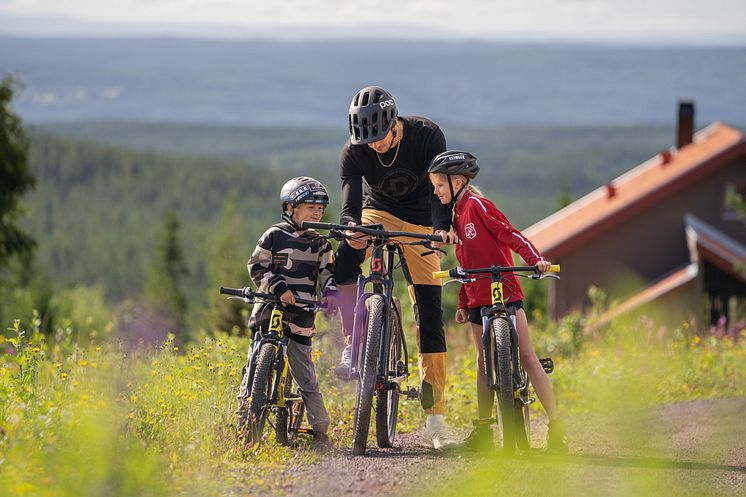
(287,298)
(462,315)
(359,241)
(448,238)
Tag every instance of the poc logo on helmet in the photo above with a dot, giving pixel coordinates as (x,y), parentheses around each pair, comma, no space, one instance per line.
(386,103)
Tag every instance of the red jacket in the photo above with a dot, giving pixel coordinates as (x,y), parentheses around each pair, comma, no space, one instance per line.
(487,239)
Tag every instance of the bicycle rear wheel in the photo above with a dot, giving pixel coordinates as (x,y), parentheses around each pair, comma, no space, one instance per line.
(366,385)
(387,401)
(261,390)
(290,417)
(504,382)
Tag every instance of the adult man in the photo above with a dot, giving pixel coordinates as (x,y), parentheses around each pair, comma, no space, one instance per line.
(383,169)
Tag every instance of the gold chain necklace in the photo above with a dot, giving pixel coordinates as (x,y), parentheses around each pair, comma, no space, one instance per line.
(396,154)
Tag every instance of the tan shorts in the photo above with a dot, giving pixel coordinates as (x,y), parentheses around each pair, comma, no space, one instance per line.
(421,267)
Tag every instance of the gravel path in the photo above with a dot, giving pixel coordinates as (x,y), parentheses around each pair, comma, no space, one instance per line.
(694,448)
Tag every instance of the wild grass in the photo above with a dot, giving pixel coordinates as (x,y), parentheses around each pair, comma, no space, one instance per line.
(112,419)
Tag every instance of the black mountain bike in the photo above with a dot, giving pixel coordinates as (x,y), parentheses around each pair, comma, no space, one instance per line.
(505,375)
(271,386)
(379,351)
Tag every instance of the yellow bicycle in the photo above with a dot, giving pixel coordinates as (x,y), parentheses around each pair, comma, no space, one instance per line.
(271,387)
(505,375)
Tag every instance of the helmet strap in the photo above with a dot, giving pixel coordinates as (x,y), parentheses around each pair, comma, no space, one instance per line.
(455,197)
(288,217)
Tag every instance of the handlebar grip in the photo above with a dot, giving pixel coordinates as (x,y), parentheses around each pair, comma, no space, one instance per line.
(238,292)
(441,275)
(309,224)
(554,268)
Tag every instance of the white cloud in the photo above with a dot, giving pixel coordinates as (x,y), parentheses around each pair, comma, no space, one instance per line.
(608,19)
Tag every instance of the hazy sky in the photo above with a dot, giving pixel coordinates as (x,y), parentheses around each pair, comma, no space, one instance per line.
(636,20)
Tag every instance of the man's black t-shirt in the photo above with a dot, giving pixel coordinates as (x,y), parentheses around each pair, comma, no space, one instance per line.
(403,189)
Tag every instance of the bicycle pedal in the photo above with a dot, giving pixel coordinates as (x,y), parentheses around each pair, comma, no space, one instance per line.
(548,364)
(305,431)
(412,393)
(484,421)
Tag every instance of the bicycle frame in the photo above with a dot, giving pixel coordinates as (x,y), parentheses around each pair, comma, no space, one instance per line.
(500,311)
(381,277)
(275,336)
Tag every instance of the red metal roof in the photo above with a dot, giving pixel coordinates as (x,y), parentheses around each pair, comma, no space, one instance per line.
(667,172)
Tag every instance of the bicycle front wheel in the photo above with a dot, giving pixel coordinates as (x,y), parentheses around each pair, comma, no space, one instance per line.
(261,390)
(504,382)
(367,383)
(387,401)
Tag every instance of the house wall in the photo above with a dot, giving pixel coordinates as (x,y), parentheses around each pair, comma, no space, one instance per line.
(647,245)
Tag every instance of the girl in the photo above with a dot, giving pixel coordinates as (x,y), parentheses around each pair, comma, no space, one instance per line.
(484,238)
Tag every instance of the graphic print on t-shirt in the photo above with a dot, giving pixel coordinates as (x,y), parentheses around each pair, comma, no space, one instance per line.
(398,183)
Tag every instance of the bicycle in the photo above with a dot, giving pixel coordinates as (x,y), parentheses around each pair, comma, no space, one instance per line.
(505,375)
(271,386)
(379,352)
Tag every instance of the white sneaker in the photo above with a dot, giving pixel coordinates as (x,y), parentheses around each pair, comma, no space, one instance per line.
(437,433)
(345,363)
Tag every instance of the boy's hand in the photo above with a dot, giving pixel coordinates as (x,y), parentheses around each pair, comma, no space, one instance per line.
(448,237)
(330,304)
(287,298)
(462,315)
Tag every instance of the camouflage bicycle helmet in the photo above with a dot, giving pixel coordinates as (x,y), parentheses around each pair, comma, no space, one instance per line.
(454,162)
(303,190)
(372,114)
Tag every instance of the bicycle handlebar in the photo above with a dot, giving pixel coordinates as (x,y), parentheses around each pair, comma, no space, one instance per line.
(375,230)
(459,272)
(247,293)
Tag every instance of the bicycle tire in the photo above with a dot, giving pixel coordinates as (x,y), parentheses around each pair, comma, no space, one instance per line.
(261,389)
(504,381)
(523,415)
(367,382)
(387,402)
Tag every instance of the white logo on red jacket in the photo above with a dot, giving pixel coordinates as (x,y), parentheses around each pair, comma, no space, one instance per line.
(471,231)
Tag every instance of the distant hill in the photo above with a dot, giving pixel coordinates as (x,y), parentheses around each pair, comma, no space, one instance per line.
(310,83)
(526,168)
(96,210)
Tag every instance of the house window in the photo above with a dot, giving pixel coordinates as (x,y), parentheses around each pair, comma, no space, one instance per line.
(734,201)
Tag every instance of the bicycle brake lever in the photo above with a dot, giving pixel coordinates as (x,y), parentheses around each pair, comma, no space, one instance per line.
(432,250)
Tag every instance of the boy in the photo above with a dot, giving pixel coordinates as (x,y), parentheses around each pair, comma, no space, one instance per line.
(291,262)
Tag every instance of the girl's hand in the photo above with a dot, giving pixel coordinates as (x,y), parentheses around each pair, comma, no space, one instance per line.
(543,265)
(462,315)
(448,238)
(287,298)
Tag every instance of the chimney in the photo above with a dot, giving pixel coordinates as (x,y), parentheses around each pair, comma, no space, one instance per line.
(685,131)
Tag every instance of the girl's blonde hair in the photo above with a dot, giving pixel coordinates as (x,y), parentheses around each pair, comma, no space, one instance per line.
(469,187)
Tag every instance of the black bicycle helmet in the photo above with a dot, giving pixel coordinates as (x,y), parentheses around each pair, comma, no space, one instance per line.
(454,162)
(372,113)
(303,190)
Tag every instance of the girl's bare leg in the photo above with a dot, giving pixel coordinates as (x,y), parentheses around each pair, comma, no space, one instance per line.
(533,367)
(485,397)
